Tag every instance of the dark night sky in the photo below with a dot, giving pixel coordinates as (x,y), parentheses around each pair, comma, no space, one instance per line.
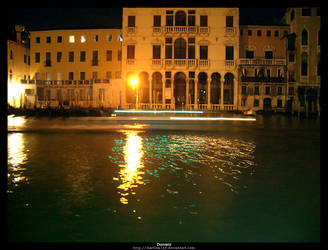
(44,18)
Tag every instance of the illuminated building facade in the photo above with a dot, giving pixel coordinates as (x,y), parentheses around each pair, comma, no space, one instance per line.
(262,68)
(76,67)
(303,54)
(18,58)
(184,58)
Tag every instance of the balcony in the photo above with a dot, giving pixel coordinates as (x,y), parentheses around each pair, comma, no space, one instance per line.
(180,63)
(156,63)
(262,61)
(131,30)
(263,79)
(203,63)
(130,61)
(204,30)
(157,30)
(229,64)
(229,31)
(179,29)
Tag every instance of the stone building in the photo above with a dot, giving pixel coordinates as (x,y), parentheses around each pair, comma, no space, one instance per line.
(262,68)
(76,67)
(18,61)
(303,53)
(182,57)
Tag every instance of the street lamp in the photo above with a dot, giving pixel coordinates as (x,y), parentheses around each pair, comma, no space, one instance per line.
(134,83)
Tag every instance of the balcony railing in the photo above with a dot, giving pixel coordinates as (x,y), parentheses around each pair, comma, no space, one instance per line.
(130,61)
(204,30)
(157,29)
(262,61)
(187,63)
(182,29)
(263,79)
(131,30)
(204,63)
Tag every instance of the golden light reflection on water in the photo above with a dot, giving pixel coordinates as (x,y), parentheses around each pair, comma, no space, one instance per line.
(130,173)
(15,121)
(16,157)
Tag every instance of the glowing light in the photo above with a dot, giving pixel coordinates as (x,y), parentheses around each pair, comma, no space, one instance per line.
(83,39)
(134,81)
(16,121)
(159,111)
(130,172)
(71,39)
(15,90)
(212,119)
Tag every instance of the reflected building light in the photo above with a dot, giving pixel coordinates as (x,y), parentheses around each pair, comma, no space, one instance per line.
(158,111)
(16,157)
(130,173)
(15,121)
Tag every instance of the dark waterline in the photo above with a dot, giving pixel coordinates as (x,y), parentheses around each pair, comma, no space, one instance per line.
(94,180)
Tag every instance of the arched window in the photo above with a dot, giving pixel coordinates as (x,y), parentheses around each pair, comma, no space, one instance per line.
(292,15)
(304,37)
(304,64)
(180,49)
(180,18)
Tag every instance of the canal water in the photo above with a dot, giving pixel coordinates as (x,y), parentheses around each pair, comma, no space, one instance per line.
(97,179)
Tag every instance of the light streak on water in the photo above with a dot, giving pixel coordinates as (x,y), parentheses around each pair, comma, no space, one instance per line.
(212,119)
(158,111)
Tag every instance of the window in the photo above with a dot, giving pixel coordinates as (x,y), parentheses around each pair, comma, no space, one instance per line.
(156,52)
(191,74)
(304,65)
(70,76)
(37,57)
(94,57)
(119,55)
(71,56)
(256,102)
(168,40)
(306,11)
(267,90)
(82,76)
(180,18)
(290,90)
(118,74)
(304,37)
(291,58)
(131,21)
(180,48)
(130,52)
(168,83)
(279,103)
(249,32)
(259,33)
(95,38)
(249,54)
(59,56)
(268,55)
(82,56)
(25,58)
(169,20)
(168,51)
(229,21)
(59,39)
(291,43)
(157,21)
(268,33)
(203,52)
(229,52)
(11,55)
(109,38)
(120,38)
(48,39)
(203,21)
(191,52)
(191,18)
(109,74)
(71,39)
(279,90)
(109,55)
(95,75)
(167,74)
(292,15)
(243,102)
(276,33)
(243,90)
(268,73)
(256,90)
(37,39)
(48,59)
(83,39)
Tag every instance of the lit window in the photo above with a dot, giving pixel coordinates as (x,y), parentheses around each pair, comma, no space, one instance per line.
(95,38)
(109,38)
(71,39)
(83,39)
(120,38)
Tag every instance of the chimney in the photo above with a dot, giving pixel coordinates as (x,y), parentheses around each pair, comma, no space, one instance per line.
(19,29)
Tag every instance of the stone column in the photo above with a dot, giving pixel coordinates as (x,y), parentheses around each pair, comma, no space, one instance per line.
(196,94)
(187,94)
(208,94)
(172,94)
(221,84)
